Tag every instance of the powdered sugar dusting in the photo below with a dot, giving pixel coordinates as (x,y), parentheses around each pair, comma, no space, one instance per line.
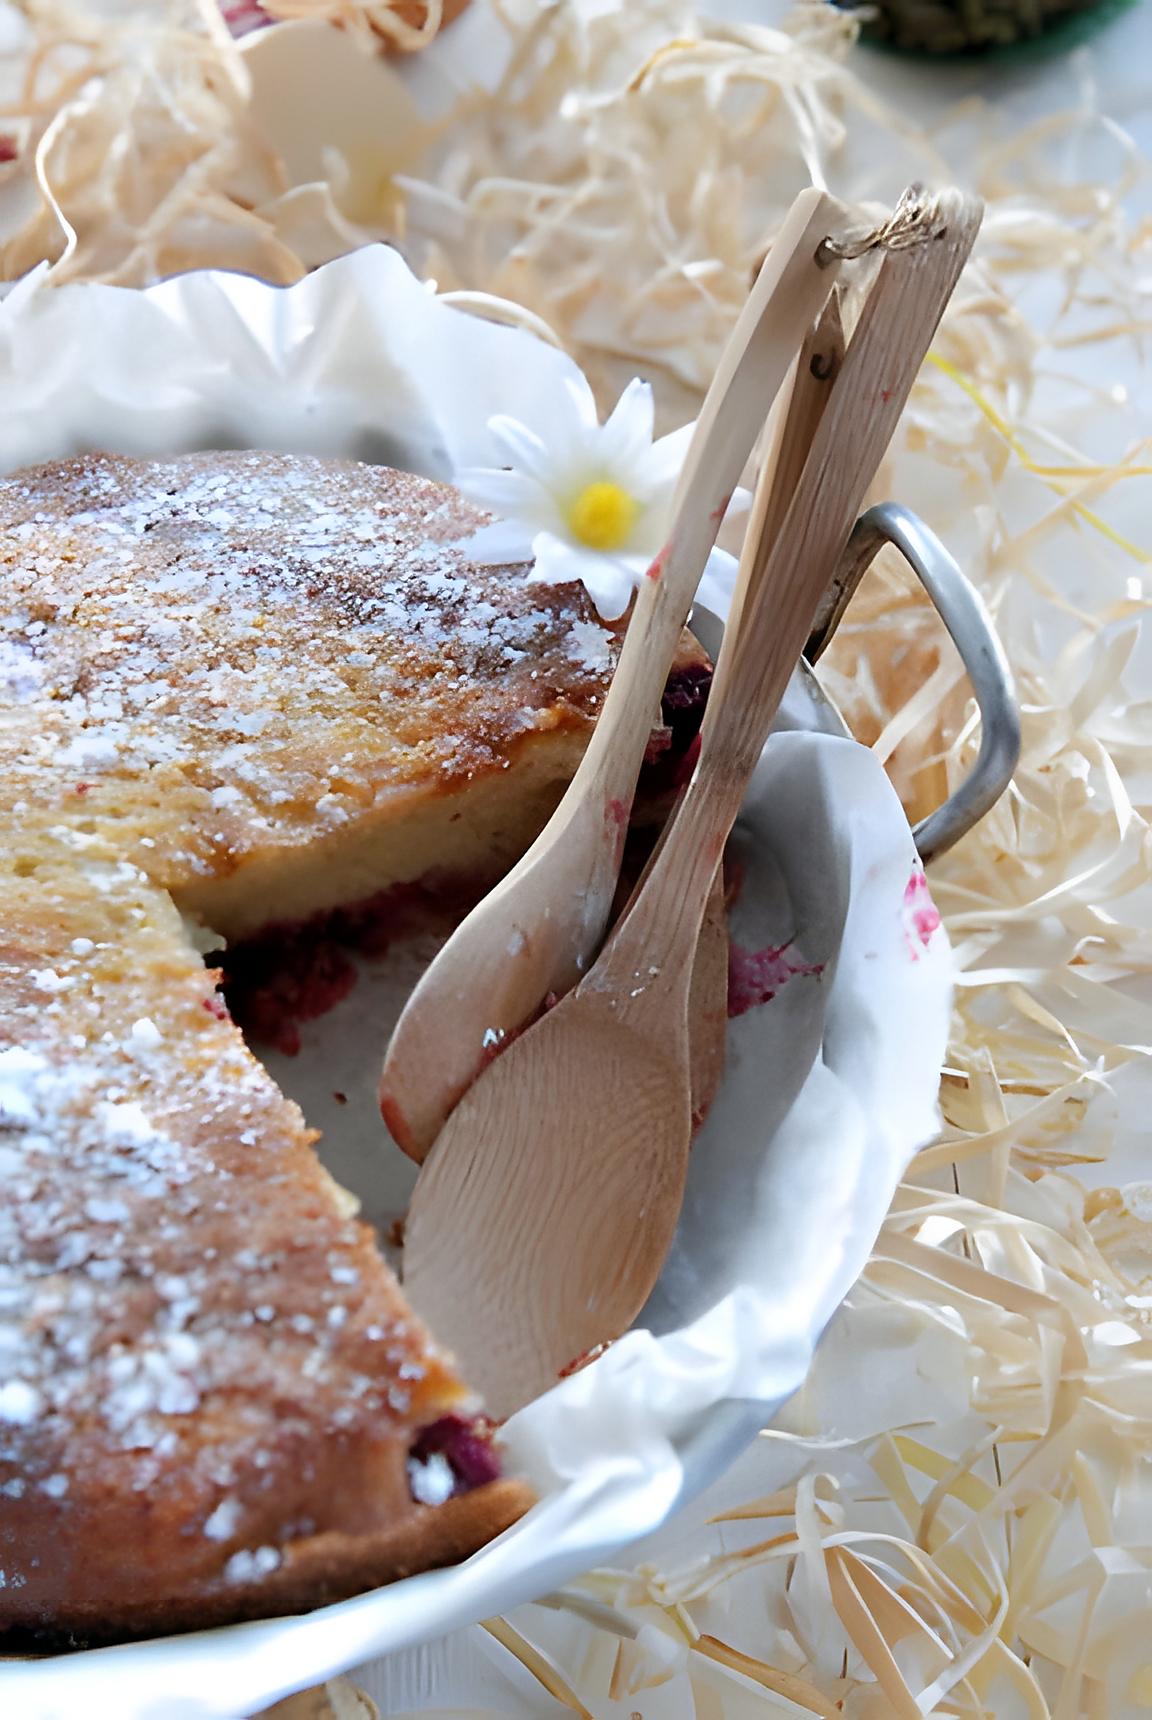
(249,1566)
(431,1479)
(20,1403)
(224,1521)
(168,1249)
(592,646)
(185,1313)
(156,617)
(19,1070)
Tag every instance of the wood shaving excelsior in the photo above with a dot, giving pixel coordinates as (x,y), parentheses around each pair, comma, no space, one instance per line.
(339,1699)
(404,26)
(982,1548)
(133,155)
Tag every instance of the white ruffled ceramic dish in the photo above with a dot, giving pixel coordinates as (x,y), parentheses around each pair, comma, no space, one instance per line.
(832,1070)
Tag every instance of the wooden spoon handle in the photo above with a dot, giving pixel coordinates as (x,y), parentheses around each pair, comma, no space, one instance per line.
(787,296)
(790,575)
(789,432)
(791,429)
(896,326)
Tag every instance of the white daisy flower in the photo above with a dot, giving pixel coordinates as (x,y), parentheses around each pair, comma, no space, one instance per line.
(593,503)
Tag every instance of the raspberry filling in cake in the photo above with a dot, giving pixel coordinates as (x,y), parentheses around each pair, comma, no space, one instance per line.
(294,973)
(450,1457)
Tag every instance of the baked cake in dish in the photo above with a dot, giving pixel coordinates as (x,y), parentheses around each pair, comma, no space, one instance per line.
(236,690)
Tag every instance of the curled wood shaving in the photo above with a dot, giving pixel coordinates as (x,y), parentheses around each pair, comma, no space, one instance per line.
(127,153)
(135,148)
(339,1699)
(549,193)
(538,1664)
(404,26)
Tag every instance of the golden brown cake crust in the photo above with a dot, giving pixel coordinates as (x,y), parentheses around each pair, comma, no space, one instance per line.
(210,1385)
(315,1572)
(226,656)
(207,1369)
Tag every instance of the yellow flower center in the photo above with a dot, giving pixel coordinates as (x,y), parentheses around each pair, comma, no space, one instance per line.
(602,515)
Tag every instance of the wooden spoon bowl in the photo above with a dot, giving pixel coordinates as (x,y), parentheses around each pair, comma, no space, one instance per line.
(553,1265)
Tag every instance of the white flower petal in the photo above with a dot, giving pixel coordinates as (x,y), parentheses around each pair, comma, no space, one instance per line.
(649,531)
(626,438)
(582,402)
(661,463)
(522,449)
(635,566)
(635,411)
(735,522)
(558,560)
(549,470)
(718,583)
(512,495)
(571,437)
(502,544)
(607,579)
(609,584)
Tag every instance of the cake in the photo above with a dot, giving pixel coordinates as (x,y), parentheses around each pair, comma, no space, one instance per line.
(236,691)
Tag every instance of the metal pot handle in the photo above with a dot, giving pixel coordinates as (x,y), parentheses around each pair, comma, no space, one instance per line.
(964,614)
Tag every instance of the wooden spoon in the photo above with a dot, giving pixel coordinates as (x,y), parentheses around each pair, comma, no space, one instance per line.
(546,1208)
(791,427)
(708,1004)
(536,932)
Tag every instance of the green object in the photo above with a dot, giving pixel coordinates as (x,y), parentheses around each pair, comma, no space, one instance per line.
(971,29)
